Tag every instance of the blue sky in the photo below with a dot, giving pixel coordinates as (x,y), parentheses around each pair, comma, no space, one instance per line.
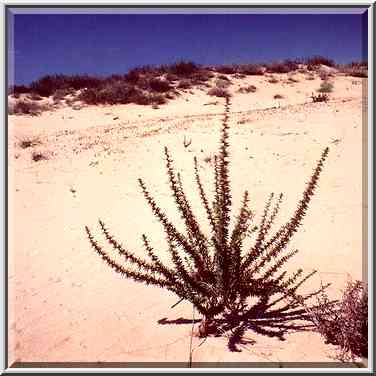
(103,44)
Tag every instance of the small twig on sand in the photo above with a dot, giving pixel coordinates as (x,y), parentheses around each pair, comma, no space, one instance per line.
(191,340)
(173,306)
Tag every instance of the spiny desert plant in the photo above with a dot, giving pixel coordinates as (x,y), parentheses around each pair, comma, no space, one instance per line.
(37,156)
(217,273)
(345,323)
(322,97)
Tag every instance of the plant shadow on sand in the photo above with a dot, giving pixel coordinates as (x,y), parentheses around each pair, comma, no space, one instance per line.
(260,319)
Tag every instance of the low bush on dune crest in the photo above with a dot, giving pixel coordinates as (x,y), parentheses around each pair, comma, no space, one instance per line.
(62,93)
(115,93)
(49,84)
(140,84)
(184,68)
(27,107)
(227,69)
(285,66)
(355,69)
(251,69)
(159,85)
(235,285)
(241,69)
(317,60)
(18,89)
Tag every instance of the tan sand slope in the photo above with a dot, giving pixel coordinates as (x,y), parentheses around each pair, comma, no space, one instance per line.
(65,304)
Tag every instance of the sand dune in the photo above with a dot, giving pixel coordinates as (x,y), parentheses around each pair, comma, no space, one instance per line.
(66,305)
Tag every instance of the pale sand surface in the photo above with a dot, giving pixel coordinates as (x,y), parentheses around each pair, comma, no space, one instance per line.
(66,305)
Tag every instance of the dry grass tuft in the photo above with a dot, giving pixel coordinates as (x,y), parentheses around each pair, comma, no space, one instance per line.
(273,80)
(345,323)
(29,142)
(247,89)
(325,87)
(219,92)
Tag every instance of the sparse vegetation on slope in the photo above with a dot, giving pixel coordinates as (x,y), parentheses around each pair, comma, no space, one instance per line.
(147,85)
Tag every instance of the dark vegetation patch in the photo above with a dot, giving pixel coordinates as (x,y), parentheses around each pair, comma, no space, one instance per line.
(325,87)
(247,89)
(39,156)
(322,97)
(146,85)
(285,66)
(219,92)
(27,107)
(273,80)
(355,69)
(29,142)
